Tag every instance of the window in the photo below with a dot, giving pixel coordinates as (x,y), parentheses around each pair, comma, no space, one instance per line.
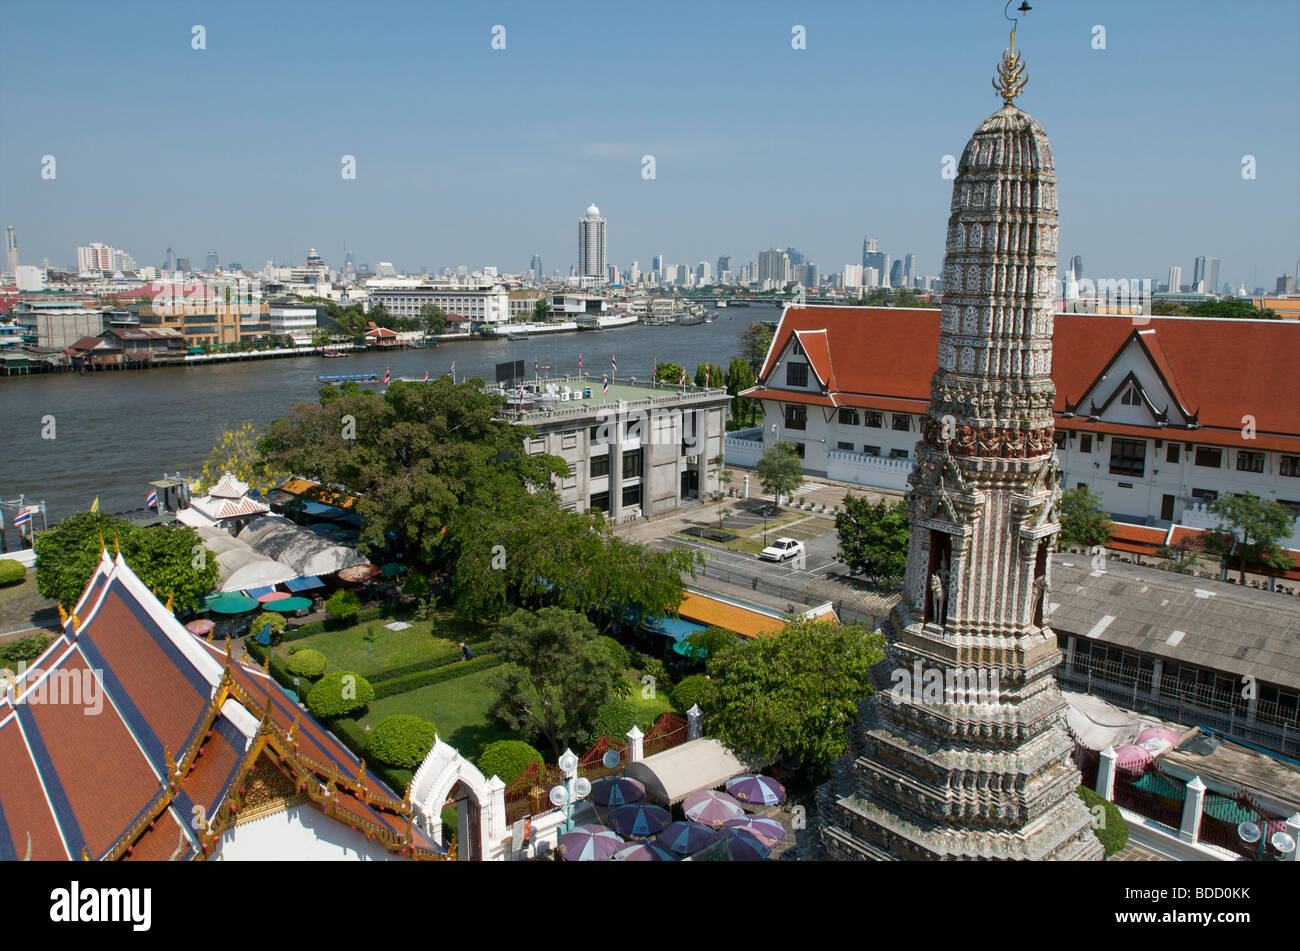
(600,465)
(902,422)
(796,374)
(1292,505)
(1061,438)
(1172,453)
(874,420)
(898,454)
(1204,495)
(1211,457)
(600,501)
(632,495)
(796,417)
(1128,457)
(569,441)
(631,463)
(798,449)
(848,417)
(1131,397)
(871,450)
(1085,442)
(846,446)
(1250,461)
(1289,466)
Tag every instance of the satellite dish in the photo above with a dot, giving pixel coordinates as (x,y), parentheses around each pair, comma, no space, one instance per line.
(1283,843)
(558,796)
(581,788)
(1249,832)
(611,759)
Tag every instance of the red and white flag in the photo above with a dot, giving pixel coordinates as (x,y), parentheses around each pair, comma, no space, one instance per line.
(385,374)
(613,367)
(426,377)
(579,360)
(452,372)
(604,384)
(682,381)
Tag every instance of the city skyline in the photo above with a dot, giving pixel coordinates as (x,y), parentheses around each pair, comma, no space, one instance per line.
(725,181)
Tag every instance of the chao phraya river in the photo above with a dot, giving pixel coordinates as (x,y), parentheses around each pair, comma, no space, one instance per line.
(116,431)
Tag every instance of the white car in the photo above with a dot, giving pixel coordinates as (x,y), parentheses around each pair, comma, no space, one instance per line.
(781,549)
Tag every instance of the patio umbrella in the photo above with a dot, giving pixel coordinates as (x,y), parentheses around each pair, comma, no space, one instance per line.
(1132,758)
(640,821)
(769,832)
(357,574)
(393,569)
(756,790)
(589,844)
(644,852)
(200,627)
(686,838)
(289,605)
(711,808)
(273,596)
(232,604)
(1159,733)
(740,846)
(616,791)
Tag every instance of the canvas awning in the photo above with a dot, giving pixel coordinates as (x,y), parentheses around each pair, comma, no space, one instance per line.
(310,583)
(305,552)
(671,776)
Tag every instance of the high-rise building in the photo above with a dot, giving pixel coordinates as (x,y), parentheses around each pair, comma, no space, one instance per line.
(1198,275)
(852,277)
(11,252)
(1175,279)
(966,756)
(870,247)
(795,255)
(212,264)
(657,264)
(94,259)
(724,263)
(1212,276)
(591,245)
(909,271)
(1076,267)
(896,274)
(773,268)
(170,264)
(704,273)
(535,268)
(634,273)
(183,265)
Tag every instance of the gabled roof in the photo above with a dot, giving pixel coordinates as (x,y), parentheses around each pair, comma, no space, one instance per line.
(1224,369)
(128,727)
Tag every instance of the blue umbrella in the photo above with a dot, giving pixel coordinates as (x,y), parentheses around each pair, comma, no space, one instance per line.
(686,838)
(616,791)
(769,832)
(756,790)
(740,846)
(589,844)
(640,821)
(645,852)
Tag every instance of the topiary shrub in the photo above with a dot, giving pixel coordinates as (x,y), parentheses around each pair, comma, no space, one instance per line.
(617,653)
(343,604)
(24,649)
(687,693)
(276,621)
(401,740)
(1108,826)
(339,694)
(307,663)
(11,572)
(614,718)
(507,759)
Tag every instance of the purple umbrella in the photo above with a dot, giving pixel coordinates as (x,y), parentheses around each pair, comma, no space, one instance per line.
(1132,758)
(1172,737)
(616,791)
(740,846)
(686,838)
(769,832)
(639,821)
(645,852)
(711,808)
(756,790)
(589,844)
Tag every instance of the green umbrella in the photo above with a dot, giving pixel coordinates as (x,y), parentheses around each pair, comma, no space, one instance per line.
(393,569)
(232,604)
(689,650)
(289,605)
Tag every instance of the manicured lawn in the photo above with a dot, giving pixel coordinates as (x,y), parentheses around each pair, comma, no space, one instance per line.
(348,649)
(648,710)
(457,707)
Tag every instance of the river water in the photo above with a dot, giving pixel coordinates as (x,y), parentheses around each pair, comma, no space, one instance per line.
(115,432)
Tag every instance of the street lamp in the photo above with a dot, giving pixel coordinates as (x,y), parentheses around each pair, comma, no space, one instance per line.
(575,787)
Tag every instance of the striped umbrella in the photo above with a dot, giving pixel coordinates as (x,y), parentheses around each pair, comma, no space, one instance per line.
(686,838)
(711,808)
(616,791)
(740,846)
(639,821)
(645,852)
(769,832)
(756,790)
(589,844)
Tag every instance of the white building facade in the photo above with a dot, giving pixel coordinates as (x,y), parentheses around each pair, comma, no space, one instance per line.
(404,297)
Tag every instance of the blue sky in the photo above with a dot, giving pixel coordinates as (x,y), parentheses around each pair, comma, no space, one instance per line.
(469,155)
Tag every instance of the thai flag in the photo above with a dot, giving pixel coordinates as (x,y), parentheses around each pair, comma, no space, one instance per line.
(23,519)
(579,360)
(534,364)
(682,381)
(613,367)
(604,384)
(152,500)
(452,372)
(385,374)
(426,377)
(654,370)
(706,374)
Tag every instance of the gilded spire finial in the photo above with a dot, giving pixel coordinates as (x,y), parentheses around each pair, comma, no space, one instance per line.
(1011,76)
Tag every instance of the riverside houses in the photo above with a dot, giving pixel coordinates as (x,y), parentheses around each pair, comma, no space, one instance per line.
(638,450)
(1158,415)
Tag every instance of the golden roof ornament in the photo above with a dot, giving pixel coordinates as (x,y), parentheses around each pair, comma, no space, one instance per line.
(1011,76)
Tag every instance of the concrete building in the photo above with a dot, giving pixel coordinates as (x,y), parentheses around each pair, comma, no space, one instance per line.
(290,317)
(592,247)
(57,325)
(637,451)
(479,302)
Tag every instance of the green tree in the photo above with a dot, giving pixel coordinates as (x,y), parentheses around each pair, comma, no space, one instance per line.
(1253,527)
(542,310)
(873,538)
(712,372)
(780,470)
(170,560)
(668,373)
(755,340)
(433,319)
(740,377)
(507,759)
(1083,523)
(556,676)
(792,693)
(236,452)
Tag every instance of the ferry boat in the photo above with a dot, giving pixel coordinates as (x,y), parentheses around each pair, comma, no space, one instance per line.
(341,378)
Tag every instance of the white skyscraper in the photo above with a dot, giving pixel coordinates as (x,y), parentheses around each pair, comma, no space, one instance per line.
(591,245)
(11,252)
(1175,279)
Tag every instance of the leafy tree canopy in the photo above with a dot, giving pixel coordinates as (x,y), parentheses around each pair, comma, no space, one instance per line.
(668,373)
(1083,523)
(780,470)
(236,453)
(1254,526)
(755,340)
(873,538)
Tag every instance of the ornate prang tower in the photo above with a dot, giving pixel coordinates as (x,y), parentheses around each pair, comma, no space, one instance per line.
(980,767)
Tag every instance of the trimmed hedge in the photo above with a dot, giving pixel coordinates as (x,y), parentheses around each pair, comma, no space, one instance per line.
(353,736)
(426,678)
(402,740)
(11,572)
(326,698)
(687,693)
(1109,828)
(307,663)
(507,759)
(343,604)
(334,623)
(614,718)
(432,663)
